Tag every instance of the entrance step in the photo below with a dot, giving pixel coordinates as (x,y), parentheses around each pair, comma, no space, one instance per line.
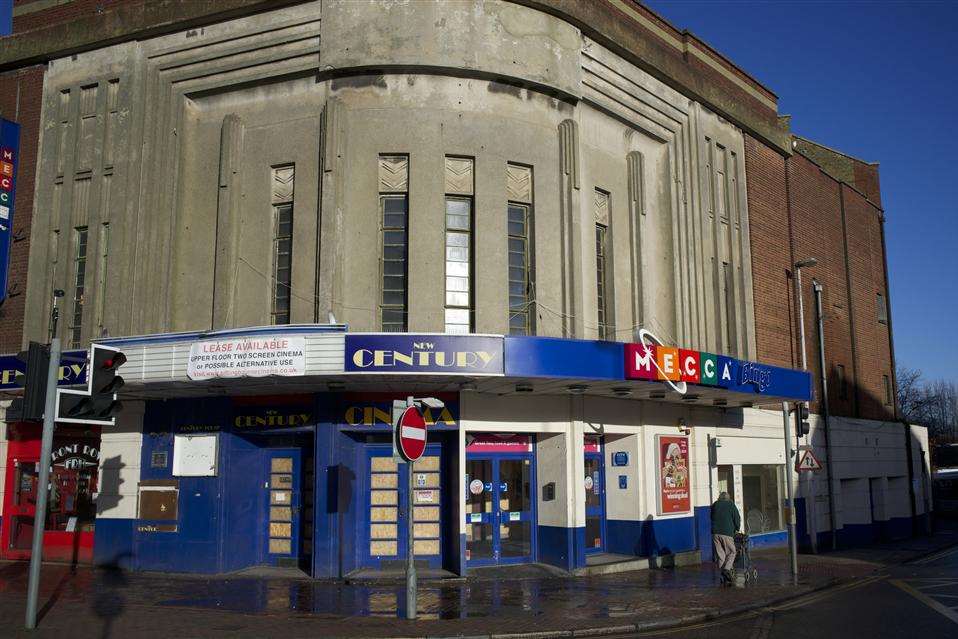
(272,572)
(372,575)
(516,571)
(609,563)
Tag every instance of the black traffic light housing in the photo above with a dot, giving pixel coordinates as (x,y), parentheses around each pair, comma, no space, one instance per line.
(801,420)
(29,408)
(98,404)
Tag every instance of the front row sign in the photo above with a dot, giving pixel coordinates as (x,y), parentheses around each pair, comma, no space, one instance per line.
(411,434)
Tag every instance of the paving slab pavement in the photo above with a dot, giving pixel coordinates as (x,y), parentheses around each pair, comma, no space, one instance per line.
(86,602)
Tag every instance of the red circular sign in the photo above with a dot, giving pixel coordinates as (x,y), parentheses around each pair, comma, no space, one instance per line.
(411,434)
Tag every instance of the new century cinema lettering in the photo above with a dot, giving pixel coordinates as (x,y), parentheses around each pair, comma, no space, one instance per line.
(677,366)
(365,358)
(375,415)
(399,353)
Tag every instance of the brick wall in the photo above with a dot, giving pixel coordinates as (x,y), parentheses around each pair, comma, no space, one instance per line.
(20,100)
(57,13)
(797,211)
(866,262)
(771,255)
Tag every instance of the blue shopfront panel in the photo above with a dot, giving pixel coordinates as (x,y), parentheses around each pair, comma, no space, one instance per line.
(222,521)
(555,357)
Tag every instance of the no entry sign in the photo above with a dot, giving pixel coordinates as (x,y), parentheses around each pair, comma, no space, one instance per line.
(411,434)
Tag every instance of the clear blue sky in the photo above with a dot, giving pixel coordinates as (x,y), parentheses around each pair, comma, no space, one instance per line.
(877,80)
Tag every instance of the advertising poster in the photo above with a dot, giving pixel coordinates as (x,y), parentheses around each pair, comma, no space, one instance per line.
(675,493)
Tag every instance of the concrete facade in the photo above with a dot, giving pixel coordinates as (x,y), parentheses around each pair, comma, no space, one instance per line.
(230,102)
(168,149)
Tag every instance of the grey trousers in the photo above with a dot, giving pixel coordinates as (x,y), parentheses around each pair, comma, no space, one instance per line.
(724,548)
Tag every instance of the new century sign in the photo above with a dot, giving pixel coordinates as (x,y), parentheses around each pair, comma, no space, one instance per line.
(677,367)
(409,353)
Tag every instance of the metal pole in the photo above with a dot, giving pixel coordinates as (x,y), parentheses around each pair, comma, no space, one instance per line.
(411,594)
(789,502)
(808,481)
(801,316)
(824,384)
(43,481)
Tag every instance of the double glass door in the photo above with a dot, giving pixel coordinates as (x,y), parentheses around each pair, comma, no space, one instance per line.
(499,509)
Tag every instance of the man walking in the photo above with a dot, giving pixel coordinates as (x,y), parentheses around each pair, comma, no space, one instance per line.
(725,523)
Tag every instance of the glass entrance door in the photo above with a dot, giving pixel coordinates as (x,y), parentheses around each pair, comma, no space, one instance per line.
(21,510)
(594,486)
(499,509)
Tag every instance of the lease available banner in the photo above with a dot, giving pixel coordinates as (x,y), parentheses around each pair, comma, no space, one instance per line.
(251,357)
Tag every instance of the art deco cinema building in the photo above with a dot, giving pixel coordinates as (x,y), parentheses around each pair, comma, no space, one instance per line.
(290,214)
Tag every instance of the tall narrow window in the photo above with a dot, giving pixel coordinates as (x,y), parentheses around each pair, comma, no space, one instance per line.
(282,200)
(882,309)
(521,261)
(603,279)
(79,287)
(729,306)
(601,276)
(842,384)
(886,382)
(394,215)
(101,275)
(459,245)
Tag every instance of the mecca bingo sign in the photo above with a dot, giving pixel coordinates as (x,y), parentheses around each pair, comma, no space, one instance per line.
(9,150)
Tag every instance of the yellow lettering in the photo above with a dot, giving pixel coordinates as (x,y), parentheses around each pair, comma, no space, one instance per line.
(445,416)
(382,416)
(485,357)
(351,416)
(402,358)
(360,358)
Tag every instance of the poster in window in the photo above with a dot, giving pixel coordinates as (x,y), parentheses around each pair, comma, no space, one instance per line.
(675,493)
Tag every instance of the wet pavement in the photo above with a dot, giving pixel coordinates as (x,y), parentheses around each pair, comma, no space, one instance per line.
(85,602)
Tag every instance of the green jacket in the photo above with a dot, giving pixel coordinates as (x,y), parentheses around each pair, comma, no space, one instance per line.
(725,518)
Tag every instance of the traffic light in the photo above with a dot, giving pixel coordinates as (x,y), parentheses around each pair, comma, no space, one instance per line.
(29,408)
(98,404)
(801,420)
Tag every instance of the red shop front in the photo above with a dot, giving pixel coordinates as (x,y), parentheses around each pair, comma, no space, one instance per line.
(71,509)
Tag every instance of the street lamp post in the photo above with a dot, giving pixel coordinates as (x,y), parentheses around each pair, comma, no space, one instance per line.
(810,509)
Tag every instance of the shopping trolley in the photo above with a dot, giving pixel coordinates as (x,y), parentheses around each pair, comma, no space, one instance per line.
(744,570)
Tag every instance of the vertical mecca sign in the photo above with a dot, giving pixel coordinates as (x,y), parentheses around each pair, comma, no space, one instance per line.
(9,149)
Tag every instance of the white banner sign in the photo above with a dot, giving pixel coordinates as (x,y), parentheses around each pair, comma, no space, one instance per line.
(251,357)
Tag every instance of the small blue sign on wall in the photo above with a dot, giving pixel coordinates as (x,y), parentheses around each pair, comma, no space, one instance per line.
(9,152)
(620,458)
(407,353)
(623,482)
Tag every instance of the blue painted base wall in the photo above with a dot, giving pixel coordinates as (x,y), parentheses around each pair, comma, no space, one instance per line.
(113,543)
(651,537)
(562,547)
